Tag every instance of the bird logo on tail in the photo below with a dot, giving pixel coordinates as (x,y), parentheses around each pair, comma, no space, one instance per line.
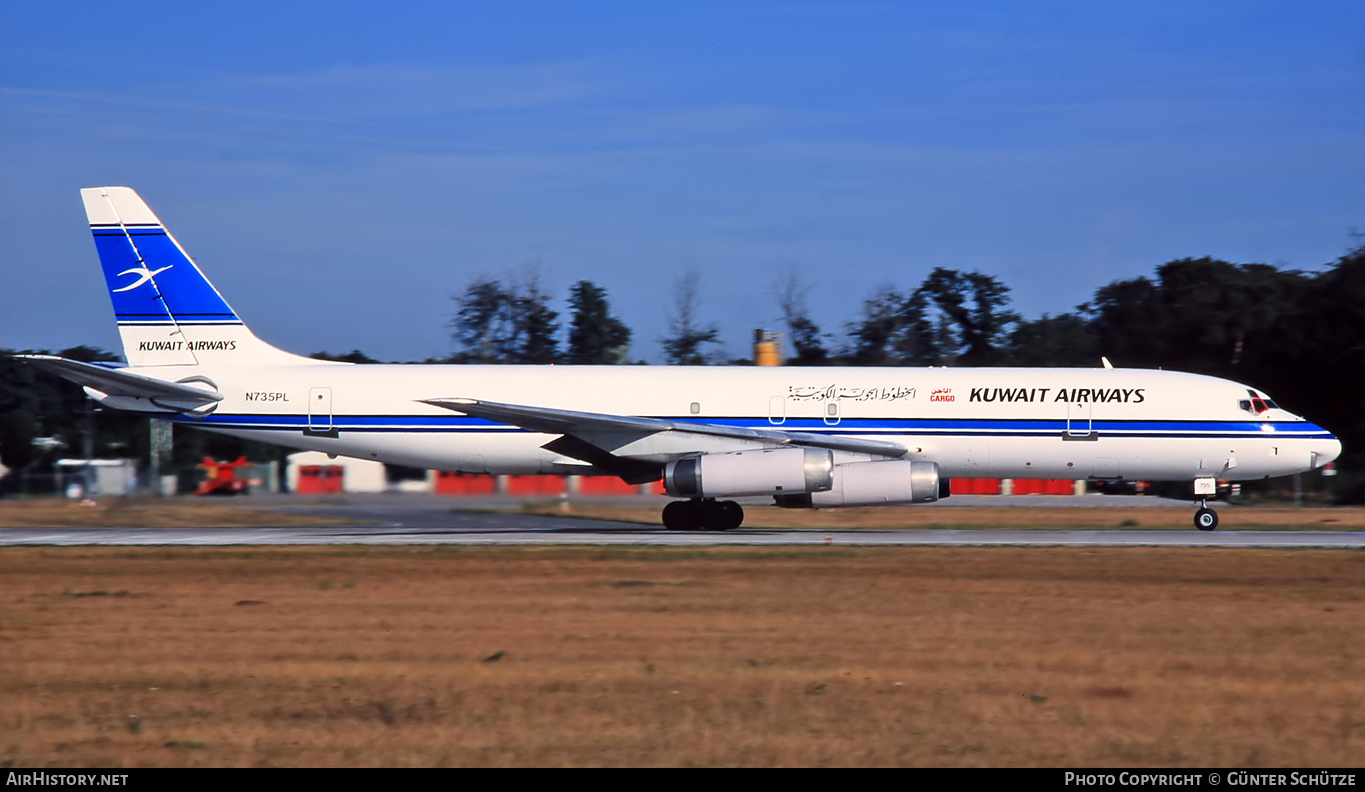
(143,275)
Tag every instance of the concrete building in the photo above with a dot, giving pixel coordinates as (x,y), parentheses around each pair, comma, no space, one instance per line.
(107,477)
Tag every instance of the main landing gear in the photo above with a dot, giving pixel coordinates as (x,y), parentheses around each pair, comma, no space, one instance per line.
(703,514)
(1205,519)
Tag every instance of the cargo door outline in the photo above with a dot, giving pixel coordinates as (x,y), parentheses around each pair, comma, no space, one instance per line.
(320,413)
(1079,422)
(777,410)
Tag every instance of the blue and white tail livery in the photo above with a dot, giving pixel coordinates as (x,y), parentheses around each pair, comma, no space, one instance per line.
(168,313)
(807,437)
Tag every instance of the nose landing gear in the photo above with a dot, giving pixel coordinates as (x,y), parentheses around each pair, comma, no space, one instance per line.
(703,514)
(1205,519)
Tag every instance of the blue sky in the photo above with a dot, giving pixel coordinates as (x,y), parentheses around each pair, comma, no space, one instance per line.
(341,170)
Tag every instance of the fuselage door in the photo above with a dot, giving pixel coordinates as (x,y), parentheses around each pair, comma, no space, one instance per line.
(777,410)
(1079,425)
(320,409)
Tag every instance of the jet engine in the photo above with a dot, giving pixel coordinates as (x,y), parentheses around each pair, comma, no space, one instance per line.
(874,484)
(774,471)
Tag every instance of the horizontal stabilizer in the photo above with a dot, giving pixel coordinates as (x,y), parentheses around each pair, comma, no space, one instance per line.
(569,422)
(124,384)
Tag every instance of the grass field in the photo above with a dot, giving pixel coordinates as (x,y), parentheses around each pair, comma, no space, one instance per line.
(678,657)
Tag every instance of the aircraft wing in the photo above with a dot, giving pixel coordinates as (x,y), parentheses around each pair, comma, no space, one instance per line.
(117,382)
(585,426)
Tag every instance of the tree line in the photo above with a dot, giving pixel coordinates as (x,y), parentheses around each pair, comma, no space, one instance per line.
(35,405)
(1297,335)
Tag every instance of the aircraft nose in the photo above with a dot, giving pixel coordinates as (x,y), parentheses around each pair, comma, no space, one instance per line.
(1326,451)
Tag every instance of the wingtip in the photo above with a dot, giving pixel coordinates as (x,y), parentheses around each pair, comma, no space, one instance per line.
(450,403)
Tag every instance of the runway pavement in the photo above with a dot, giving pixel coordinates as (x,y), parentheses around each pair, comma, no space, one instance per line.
(615,534)
(401,520)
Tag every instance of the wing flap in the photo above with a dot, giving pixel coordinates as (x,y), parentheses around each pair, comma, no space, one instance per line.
(585,424)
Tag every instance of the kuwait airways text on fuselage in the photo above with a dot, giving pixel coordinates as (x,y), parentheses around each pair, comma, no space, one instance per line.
(1079,395)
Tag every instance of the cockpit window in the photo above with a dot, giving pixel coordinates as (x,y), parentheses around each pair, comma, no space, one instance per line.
(1256,404)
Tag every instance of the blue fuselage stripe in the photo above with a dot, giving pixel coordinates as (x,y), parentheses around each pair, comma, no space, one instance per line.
(909,426)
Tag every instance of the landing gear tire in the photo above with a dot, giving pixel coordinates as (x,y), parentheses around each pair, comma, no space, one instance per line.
(731,515)
(677,516)
(703,515)
(1206,519)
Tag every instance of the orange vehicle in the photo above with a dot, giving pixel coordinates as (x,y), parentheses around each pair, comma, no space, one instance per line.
(222,477)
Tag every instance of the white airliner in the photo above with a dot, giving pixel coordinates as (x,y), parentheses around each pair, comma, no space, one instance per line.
(808,437)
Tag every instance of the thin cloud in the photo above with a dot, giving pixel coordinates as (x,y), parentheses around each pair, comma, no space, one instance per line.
(399,89)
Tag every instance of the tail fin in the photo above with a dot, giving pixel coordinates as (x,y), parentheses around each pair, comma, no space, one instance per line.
(168,313)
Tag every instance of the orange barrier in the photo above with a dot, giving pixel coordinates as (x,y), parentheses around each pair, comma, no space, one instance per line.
(320,480)
(610,485)
(483,484)
(1044,487)
(605,485)
(536,485)
(975,486)
(448,483)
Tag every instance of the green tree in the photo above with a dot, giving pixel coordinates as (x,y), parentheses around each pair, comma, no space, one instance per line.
(971,305)
(21,408)
(1311,360)
(595,336)
(687,336)
(534,323)
(1202,315)
(923,338)
(953,317)
(34,404)
(1062,340)
(1124,317)
(808,343)
(873,335)
(482,324)
(505,322)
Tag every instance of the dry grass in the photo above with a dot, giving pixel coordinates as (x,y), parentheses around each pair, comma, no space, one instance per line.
(819,656)
(960,517)
(144,513)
